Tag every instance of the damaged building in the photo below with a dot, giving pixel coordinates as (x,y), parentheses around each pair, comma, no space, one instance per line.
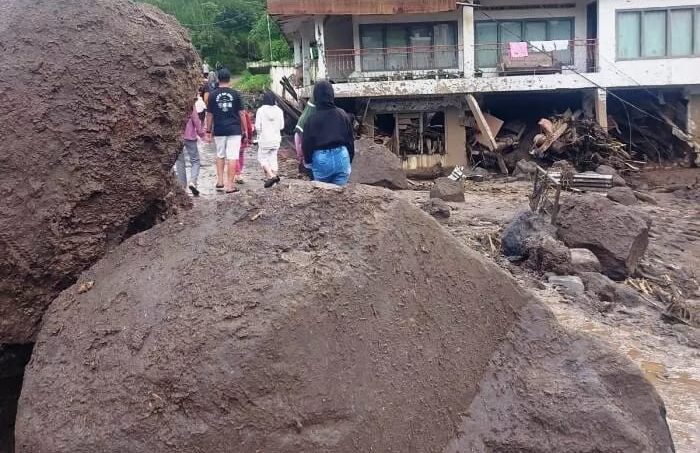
(446,83)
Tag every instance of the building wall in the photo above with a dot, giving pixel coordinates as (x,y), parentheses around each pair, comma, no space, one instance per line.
(277,72)
(652,72)
(455,137)
(339,32)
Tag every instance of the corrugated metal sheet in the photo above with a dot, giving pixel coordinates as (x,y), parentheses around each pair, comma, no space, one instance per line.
(358,7)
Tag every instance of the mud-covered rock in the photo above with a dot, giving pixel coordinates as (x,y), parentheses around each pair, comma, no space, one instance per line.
(385,334)
(583,260)
(616,234)
(618,181)
(526,229)
(96,94)
(448,190)
(623,195)
(608,290)
(375,165)
(568,284)
(547,254)
(437,208)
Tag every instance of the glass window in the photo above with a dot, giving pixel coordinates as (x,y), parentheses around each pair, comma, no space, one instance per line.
(629,32)
(445,38)
(486,44)
(562,30)
(421,41)
(372,42)
(654,34)
(511,32)
(535,31)
(697,31)
(681,32)
(397,48)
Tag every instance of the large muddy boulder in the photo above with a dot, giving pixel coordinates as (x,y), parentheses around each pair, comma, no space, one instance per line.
(616,234)
(95,95)
(375,165)
(271,323)
(448,190)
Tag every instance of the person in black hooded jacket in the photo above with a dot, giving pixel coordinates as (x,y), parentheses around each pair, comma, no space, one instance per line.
(329,141)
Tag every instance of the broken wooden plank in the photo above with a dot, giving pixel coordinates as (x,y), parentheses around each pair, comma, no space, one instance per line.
(481,123)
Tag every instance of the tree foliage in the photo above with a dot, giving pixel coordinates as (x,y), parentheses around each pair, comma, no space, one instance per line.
(229,32)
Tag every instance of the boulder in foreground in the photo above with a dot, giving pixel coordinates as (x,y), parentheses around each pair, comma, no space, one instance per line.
(96,94)
(271,323)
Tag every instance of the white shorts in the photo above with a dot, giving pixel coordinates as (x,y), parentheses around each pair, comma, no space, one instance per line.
(268,158)
(228,147)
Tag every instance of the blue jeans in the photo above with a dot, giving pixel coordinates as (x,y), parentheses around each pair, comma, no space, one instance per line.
(192,151)
(331,166)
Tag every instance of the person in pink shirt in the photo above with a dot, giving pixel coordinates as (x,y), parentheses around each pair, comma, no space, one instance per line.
(193,131)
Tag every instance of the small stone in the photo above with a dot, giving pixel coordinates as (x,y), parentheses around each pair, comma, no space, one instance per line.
(437,208)
(448,190)
(645,197)
(526,167)
(571,285)
(623,195)
(583,260)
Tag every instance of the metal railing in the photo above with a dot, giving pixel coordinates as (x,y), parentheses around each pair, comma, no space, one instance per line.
(342,63)
(580,54)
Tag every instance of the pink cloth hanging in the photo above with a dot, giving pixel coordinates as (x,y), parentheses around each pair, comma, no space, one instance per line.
(517,49)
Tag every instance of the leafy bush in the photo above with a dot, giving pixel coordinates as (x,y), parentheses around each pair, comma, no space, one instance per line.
(253,83)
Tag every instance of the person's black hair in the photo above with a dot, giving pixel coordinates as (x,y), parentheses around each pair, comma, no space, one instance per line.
(269,98)
(224,75)
(324,95)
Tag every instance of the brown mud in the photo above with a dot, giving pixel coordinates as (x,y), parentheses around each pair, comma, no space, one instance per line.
(299,327)
(96,93)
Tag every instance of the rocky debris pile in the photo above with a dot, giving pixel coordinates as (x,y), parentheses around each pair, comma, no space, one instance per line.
(375,165)
(337,356)
(616,234)
(448,190)
(99,93)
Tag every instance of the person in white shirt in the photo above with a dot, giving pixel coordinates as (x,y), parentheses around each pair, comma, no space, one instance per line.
(269,122)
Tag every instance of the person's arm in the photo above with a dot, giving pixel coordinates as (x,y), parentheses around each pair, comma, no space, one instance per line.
(308,142)
(258,122)
(197,123)
(280,118)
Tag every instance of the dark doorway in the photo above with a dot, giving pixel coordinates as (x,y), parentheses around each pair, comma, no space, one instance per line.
(592,37)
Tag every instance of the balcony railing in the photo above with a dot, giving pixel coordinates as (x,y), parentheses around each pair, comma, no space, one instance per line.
(342,63)
(540,59)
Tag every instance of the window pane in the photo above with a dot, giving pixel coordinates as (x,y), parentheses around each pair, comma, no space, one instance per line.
(628,33)
(397,48)
(421,41)
(681,32)
(372,43)
(445,41)
(562,30)
(654,33)
(535,31)
(697,31)
(511,32)
(486,45)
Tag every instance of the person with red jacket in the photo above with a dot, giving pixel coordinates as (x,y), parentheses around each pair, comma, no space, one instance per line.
(245,144)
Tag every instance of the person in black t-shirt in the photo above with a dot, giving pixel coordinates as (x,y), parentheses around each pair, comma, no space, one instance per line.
(224,119)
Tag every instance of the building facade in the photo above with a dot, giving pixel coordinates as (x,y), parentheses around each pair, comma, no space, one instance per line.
(417,60)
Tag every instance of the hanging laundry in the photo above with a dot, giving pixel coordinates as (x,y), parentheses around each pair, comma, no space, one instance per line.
(561,44)
(517,49)
(549,46)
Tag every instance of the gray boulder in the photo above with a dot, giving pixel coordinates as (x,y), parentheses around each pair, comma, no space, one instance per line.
(583,260)
(437,208)
(524,231)
(375,165)
(623,195)
(610,291)
(571,285)
(447,190)
(618,181)
(616,234)
(548,254)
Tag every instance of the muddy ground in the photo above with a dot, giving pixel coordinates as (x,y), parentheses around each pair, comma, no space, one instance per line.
(665,350)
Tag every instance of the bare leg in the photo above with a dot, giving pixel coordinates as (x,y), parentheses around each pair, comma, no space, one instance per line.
(220,171)
(231,177)
(268,171)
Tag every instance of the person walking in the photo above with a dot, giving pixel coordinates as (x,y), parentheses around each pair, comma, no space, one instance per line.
(328,141)
(193,131)
(224,120)
(247,125)
(269,122)
(304,167)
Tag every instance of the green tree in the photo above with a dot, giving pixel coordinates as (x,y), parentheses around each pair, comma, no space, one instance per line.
(222,30)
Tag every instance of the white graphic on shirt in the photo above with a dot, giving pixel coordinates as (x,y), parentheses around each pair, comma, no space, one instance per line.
(224,101)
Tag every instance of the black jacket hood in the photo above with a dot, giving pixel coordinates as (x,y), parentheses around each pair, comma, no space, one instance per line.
(324,96)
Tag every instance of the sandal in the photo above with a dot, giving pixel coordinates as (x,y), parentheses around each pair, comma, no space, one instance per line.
(220,188)
(234,190)
(194,190)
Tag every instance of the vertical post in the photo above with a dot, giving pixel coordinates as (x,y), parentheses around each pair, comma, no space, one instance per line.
(297,50)
(269,35)
(306,57)
(322,70)
(601,108)
(468,65)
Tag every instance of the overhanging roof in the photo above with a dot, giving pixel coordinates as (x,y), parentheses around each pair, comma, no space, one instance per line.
(358,7)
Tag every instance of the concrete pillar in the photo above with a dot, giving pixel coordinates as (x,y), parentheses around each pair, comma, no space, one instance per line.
(694,123)
(306,57)
(455,138)
(321,71)
(601,108)
(468,65)
(297,50)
